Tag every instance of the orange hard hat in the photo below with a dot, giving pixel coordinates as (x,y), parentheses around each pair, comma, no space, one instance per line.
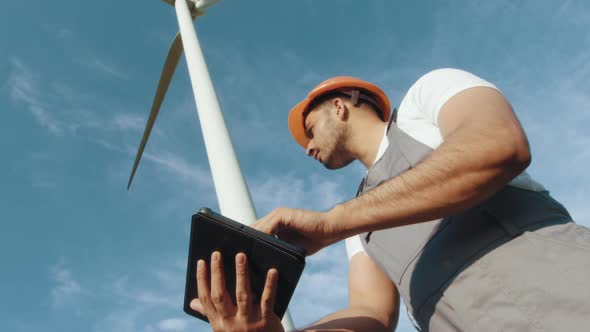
(355,87)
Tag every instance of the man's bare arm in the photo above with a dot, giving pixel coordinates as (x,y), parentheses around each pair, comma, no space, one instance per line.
(484,148)
(373,301)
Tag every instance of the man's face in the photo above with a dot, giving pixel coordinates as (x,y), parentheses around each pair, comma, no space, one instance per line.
(327,136)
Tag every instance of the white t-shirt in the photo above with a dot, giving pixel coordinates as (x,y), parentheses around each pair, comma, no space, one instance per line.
(418,117)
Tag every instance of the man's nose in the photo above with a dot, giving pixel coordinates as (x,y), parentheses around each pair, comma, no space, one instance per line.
(310,149)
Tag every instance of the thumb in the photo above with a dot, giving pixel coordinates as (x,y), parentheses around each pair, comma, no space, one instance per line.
(196,305)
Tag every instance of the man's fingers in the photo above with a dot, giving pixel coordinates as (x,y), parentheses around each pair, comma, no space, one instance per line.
(267,301)
(203,290)
(243,291)
(271,223)
(219,296)
(264,224)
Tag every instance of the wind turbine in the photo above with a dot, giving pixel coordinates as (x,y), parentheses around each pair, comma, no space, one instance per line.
(232,193)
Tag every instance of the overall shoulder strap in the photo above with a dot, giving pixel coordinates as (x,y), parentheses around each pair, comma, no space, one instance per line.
(392,118)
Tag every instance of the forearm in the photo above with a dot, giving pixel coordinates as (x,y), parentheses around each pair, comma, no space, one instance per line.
(357,319)
(470,166)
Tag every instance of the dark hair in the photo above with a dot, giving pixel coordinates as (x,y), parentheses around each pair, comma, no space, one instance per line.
(340,94)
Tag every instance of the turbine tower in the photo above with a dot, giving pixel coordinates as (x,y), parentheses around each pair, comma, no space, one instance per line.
(231,189)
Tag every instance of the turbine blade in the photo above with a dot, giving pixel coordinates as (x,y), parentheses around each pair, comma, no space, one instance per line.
(172,60)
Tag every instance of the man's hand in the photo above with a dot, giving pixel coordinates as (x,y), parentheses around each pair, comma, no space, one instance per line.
(307,229)
(215,302)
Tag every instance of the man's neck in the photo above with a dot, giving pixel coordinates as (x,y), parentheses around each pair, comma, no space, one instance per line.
(366,144)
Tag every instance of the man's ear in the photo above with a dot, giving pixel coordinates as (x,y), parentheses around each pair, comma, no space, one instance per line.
(342,110)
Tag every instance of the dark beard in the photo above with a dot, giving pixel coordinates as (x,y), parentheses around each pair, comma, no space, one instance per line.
(339,139)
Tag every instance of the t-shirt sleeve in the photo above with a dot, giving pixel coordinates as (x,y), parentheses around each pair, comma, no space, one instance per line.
(435,88)
(353,246)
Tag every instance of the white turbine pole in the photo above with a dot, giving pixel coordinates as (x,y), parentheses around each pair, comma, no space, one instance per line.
(230,186)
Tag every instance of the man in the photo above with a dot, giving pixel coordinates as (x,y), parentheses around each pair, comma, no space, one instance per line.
(446,216)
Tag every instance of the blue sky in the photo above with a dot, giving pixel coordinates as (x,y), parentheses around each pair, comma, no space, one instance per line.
(81,253)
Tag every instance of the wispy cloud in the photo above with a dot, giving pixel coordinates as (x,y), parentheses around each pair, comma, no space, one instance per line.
(126,121)
(60,108)
(100,65)
(66,289)
(129,319)
(125,290)
(173,324)
(64,33)
(41,181)
(24,88)
(271,191)
(147,299)
(138,299)
(181,169)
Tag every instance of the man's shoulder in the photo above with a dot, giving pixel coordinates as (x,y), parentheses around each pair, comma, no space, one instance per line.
(435,87)
(419,109)
(434,79)
(446,76)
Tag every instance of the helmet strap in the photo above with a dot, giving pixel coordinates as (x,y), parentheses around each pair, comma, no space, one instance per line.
(354,97)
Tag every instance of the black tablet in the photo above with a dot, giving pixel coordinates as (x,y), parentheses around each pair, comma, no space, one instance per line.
(213,232)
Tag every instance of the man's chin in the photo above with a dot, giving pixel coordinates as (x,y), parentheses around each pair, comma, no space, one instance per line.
(331,165)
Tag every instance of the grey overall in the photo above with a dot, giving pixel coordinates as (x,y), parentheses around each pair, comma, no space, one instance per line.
(516,262)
